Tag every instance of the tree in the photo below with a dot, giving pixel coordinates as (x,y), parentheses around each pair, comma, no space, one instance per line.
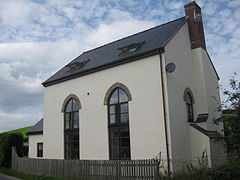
(231,119)
(6,143)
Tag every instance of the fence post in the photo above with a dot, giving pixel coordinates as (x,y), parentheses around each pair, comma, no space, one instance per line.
(157,175)
(13,158)
(118,170)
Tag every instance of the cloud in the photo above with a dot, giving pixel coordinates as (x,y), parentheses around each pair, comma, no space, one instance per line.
(14,13)
(18,119)
(39,37)
(233,3)
(106,33)
(25,65)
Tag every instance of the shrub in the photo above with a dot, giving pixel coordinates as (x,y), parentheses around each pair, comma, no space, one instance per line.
(229,171)
(6,143)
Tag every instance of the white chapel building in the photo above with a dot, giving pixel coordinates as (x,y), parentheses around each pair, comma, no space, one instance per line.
(154,92)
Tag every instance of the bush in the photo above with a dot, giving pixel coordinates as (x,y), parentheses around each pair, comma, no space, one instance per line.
(229,171)
(6,143)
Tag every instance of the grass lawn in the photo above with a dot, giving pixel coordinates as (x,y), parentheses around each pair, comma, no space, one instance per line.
(21,130)
(24,176)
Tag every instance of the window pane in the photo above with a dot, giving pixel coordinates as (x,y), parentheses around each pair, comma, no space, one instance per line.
(75,105)
(122,96)
(124,132)
(124,142)
(190,113)
(40,147)
(67,116)
(124,108)
(188,98)
(112,109)
(114,132)
(124,118)
(75,145)
(114,97)
(66,146)
(75,154)
(190,109)
(76,124)
(76,120)
(75,138)
(112,119)
(67,124)
(72,145)
(69,106)
(125,153)
(114,143)
(66,137)
(115,153)
(68,154)
(67,120)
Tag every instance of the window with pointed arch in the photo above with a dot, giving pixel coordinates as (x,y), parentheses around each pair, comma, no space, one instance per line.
(118,125)
(189,104)
(71,129)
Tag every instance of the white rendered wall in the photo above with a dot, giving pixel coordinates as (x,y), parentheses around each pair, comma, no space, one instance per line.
(194,71)
(142,78)
(213,102)
(33,140)
(200,95)
(200,143)
(178,51)
(213,96)
(208,97)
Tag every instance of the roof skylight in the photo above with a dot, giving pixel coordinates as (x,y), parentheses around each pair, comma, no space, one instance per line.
(76,65)
(130,48)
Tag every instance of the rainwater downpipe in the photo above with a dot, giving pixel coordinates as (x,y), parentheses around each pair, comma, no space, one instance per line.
(164,111)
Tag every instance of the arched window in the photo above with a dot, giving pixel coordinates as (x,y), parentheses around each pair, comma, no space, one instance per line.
(118,125)
(71,129)
(189,105)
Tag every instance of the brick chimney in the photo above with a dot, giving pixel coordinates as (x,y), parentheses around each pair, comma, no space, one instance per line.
(195,25)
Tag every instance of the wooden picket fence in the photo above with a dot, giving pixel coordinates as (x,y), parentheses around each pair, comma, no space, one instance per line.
(88,169)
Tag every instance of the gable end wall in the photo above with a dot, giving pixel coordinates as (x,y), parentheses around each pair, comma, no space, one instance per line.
(142,78)
(183,149)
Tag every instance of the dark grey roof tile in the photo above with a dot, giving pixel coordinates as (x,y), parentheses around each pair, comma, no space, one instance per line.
(37,128)
(154,38)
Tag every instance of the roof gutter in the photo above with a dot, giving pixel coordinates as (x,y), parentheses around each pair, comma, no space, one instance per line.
(105,66)
(165,114)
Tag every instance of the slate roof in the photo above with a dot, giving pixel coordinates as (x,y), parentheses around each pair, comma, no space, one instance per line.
(109,55)
(37,128)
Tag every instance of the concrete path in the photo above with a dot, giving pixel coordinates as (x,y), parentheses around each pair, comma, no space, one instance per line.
(5,177)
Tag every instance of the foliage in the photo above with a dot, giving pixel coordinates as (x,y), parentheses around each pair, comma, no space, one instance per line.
(231,119)
(24,176)
(21,130)
(233,95)
(230,171)
(6,143)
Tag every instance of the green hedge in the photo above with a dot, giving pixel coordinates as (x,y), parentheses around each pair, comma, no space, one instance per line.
(6,143)
(230,171)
